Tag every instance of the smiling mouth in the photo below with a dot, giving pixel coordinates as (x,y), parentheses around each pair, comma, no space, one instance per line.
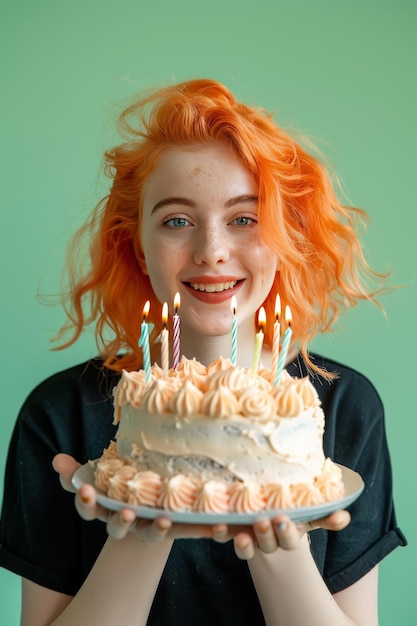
(214,287)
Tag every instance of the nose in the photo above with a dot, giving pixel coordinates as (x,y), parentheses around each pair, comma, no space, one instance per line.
(212,246)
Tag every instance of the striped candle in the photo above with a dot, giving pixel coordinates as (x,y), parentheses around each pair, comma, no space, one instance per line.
(233,357)
(276,340)
(164,340)
(176,332)
(285,344)
(144,342)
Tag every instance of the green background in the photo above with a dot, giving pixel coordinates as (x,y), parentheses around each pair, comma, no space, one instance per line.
(342,71)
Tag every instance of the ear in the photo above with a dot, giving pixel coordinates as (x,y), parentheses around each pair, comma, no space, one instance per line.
(140,257)
(142,265)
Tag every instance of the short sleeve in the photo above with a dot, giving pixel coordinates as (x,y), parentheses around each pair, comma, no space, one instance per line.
(355,437)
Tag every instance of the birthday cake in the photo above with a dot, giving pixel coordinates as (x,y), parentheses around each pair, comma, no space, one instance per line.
(217,439)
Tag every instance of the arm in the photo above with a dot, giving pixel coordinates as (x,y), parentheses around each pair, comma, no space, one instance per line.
(289,586)
(119,589)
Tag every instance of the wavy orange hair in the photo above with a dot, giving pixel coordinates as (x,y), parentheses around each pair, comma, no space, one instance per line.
(322,267)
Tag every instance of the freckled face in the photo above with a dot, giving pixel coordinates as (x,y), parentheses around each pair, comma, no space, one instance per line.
(200,237)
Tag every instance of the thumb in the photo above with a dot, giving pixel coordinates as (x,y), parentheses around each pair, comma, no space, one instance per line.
(65,465)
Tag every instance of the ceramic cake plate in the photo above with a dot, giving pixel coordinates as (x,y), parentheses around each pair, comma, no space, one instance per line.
(353,488)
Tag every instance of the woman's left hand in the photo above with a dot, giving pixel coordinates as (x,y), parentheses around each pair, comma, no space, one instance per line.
(280,532)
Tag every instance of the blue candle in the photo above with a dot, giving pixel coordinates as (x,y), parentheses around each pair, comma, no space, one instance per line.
(144,342)
(285,344)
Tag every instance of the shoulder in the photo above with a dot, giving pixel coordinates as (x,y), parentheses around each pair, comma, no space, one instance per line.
(87,380)
(70,411)
(350,388)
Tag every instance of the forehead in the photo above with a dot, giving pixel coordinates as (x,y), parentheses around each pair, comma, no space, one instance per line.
(194,166)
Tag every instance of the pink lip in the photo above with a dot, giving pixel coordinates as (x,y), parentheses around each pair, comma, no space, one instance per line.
(210,280)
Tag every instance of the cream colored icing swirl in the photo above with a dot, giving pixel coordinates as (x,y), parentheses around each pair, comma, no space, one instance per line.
(105,470)
(306,495)
(219,402)
(257,404)
(187,400)
(177,494)
(158,395)
(194,371)
(245,498)
(330,481)
(278,496)
(131,387)
(307,392)
(144,488)
(212,497)
(233,378)
(118,482)
(288,401)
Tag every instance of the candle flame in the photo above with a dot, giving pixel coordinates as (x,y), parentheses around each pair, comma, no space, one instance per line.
(234,305)
(177,302)
(146,309)
(288,315)
(165,313)
(277,307)
(261,318)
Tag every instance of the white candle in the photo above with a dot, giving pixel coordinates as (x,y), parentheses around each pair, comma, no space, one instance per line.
(259,341)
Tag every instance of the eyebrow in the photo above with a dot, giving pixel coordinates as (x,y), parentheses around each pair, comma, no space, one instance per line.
(245,198)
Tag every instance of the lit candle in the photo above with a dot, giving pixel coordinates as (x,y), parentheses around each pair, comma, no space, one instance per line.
(259,340)
(234,330)
(176,333)
(275,343)
(164,339)
(285,343)
(144,342)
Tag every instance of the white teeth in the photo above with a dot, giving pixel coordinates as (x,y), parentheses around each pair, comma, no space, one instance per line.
(214,287)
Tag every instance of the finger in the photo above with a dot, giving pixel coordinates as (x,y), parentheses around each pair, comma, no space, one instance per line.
(86,504)
(120,523)
(265,536)
(244,547)
(220,533)
(336,521)
(286,532)
(157,531)
(65,465)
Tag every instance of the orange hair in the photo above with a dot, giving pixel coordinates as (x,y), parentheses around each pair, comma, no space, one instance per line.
(322,267)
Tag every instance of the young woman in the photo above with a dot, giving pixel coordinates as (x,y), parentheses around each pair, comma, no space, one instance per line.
(210,198)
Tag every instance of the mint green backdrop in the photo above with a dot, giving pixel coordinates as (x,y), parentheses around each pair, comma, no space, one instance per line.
(342,71)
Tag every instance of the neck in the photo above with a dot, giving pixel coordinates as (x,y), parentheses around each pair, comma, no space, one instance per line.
(207,348)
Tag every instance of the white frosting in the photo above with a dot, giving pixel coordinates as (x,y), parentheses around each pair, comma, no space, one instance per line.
(219,437)
(241,427)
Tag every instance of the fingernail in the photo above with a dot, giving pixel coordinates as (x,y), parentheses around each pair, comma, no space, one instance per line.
(282,525)
(125,519)
(263,529)
(85,499)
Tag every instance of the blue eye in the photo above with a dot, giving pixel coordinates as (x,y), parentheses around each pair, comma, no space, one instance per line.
(244,221)
(176,222)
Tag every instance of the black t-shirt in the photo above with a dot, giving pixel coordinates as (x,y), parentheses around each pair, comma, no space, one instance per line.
(43,538)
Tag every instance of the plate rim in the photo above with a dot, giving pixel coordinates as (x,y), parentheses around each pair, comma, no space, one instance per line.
(353,482)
